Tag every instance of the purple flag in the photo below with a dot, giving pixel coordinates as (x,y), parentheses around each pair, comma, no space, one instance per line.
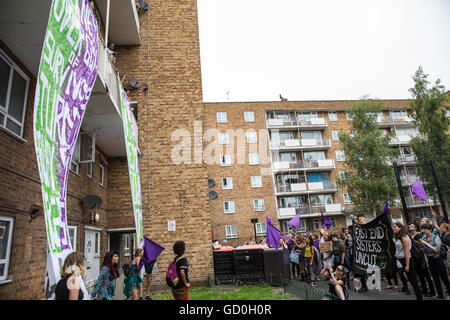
(386,207)
(295,221)
(151,252)
(273,234)
(418,192)
(325,220)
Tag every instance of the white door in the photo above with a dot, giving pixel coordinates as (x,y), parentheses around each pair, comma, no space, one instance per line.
(92,254)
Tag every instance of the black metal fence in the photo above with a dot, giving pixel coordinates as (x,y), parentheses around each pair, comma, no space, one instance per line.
(294,287)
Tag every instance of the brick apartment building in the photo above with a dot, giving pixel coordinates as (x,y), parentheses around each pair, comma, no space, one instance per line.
(159,47)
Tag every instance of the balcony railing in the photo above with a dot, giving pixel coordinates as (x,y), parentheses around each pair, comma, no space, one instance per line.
(389,121)
(305,123)
(412,201)
(311,187)
(286,213)
(301,144)
(326,164)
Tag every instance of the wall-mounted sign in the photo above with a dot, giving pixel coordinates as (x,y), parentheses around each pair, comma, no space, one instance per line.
(171,225)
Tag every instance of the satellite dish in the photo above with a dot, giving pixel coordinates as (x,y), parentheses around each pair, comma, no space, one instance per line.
(92,201)
(135,84)
(213,195)
(211,183)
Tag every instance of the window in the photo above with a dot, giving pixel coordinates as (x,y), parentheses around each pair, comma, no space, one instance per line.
(256,182)
(221,117)
(346,197)
(321,199)
(251,137)
(332,116)
(349,117)
(335,134)
(288,156)
(317,224)
(302,225)
(253,158)
(227,183)
(102,175)
(89,170)
(126,245)
(230,231)
(224,138)
(97,244)
(333,222)
(13,96)
(74,166)
(307,115)
(73,237)
(228,206)
(6,230)
(261,228)
(225,160)
(249,116)
(340,155)
(314,156)
(258,205)
(343,175)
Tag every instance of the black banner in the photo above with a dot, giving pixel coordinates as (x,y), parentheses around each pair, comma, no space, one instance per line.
(372,244)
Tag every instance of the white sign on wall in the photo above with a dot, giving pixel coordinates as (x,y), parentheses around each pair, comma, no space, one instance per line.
(171,225)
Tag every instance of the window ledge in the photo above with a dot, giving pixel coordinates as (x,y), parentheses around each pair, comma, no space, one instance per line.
(5,281)
(14,136)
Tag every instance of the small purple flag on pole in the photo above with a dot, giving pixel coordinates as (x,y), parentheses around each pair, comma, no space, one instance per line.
(295,221)
(152,250)
(273,234)
(418,191)
(386,207)
(325,220)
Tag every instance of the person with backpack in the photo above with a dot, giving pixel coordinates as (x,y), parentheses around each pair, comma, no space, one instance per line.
(403,245)
(105,289)
(432,245)
(177,276)
(133,280)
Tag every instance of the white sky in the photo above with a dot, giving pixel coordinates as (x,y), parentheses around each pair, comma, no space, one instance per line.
(321,49)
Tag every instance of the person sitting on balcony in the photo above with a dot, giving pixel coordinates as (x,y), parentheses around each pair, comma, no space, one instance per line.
(111,52)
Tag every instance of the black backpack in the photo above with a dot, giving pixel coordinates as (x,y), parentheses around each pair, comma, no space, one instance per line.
(416,252)
(126,269)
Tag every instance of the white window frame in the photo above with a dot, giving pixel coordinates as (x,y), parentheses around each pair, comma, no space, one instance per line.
(249,116)
(256,181)
(74,244)
(101,175)
(224,138)
(76,152)
(8,247)
(340,155)
(229,182)
(302,227)
(343,174)
(257,205)
(333,222)
(231,206)
(349,117)
(335,134)
(330,118)
(126,245)
(261,228)
(97,243)
(229,234)
(251,137)
(346,198)
(89,169)
(317,224)
(221,117)
(4,109)
(253,159)
(227,162)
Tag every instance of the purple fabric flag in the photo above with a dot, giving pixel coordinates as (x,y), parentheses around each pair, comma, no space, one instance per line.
(418,192)
(295,221)
(386,207)
(325,220)
(152,250)
(273,234)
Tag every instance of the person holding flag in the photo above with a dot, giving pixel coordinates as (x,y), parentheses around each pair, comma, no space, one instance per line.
(152,250)
(273,234)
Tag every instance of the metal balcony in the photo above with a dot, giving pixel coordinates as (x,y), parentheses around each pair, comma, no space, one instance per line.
(306,188)
(316,165)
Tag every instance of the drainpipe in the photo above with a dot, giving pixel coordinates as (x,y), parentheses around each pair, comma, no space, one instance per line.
(108,5)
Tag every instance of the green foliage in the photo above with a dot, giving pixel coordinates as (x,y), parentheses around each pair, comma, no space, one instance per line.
(430,107)
(370,180)
(255,292)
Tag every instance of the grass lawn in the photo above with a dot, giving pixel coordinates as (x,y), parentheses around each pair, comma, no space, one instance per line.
(250,292)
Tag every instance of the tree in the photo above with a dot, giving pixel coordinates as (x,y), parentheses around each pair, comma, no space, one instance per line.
(430,108)
(370,180)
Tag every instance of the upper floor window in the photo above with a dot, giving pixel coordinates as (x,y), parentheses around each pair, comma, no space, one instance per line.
(13,96)
(249,116)
(6,230)
(332,116)
(221,117)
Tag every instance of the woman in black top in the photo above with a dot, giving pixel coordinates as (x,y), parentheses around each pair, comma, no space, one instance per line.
(68,288)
